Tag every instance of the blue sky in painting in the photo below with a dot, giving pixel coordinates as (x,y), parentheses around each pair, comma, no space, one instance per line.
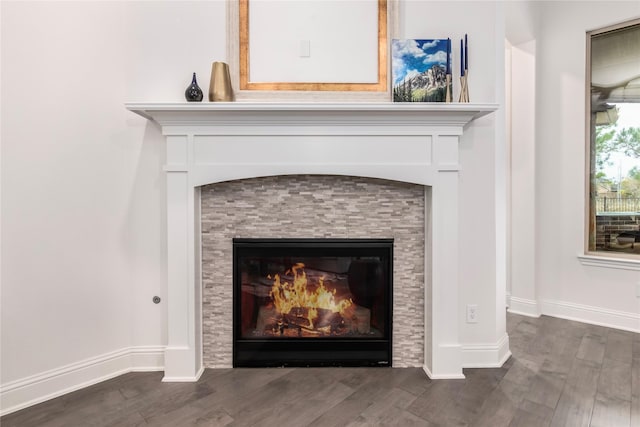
(412,57)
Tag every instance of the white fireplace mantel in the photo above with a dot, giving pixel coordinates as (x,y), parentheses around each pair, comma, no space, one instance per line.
(180,114)
(216,142)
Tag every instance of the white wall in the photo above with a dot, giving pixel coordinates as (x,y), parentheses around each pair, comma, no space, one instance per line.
(523,166)
(563,286)
(82,186)
(83,190)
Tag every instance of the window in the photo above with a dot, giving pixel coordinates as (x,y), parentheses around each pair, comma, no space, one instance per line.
(613,72)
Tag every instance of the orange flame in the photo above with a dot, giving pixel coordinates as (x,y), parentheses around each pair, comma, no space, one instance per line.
(287,296)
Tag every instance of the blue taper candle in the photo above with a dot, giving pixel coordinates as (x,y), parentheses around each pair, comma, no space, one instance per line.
(448,56)
(461,58)
(466,53)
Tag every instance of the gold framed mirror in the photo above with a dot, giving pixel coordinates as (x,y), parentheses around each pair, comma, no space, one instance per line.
(377,83)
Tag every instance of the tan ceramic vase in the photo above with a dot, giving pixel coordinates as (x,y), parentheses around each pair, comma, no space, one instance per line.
(220,85)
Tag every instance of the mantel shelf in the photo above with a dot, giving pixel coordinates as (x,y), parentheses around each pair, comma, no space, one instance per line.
(387,113)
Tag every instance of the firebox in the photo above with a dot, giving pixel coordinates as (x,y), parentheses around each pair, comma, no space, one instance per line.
(312,302)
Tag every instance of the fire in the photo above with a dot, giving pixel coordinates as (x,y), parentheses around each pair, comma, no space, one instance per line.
(297,299)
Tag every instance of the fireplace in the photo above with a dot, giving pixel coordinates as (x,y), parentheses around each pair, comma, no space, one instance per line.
(312,302)
(216,143)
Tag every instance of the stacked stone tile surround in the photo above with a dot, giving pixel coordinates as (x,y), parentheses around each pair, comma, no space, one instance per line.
(301,206)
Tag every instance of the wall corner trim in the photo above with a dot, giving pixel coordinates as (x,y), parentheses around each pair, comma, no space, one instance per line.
(486,355)
(192,379)
(524,307)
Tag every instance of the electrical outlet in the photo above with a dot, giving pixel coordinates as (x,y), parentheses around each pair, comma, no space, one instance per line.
(472,313)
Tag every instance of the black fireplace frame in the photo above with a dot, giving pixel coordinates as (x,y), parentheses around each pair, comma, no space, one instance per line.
(315,351)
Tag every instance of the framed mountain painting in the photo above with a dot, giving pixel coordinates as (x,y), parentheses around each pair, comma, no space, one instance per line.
(419,69)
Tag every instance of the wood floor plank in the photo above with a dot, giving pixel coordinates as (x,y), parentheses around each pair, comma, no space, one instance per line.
(610,411)
(561,358)
(499,409)
(531,414)
(371,385)
(523,371)
(574,409)
(615,381)
(513,323)
(131,420)
(592,348)
(523,335)
(620,346)
(436,404)
(305,393)
(577,399)
(396,417)
(395,402)
(546,388)
(345,412)
(237,384)
(175,397)
(415,383)
(303,409)
(527,419)
(471,398)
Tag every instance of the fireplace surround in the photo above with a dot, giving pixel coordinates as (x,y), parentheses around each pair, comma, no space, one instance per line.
(219,142)
(316,207)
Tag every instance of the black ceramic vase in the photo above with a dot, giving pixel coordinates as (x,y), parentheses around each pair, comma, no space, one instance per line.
(193,92)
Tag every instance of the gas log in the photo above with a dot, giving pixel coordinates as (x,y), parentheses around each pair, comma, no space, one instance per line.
(356,320)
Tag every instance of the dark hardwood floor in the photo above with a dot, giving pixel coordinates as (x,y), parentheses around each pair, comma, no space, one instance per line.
(562,373)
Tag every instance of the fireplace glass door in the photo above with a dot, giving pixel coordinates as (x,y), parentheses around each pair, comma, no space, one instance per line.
(312,302)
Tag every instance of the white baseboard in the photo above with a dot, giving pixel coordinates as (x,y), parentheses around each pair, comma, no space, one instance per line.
(592,315)
(35,389)
(427,371)
(525,307)
(192,379)
(486,355)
